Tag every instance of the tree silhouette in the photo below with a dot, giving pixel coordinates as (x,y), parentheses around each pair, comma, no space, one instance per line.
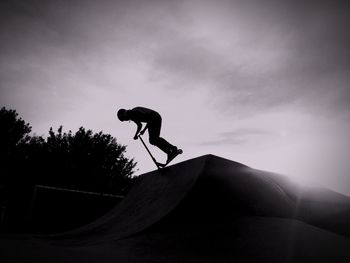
(14,132)
(82,161)
(16,189)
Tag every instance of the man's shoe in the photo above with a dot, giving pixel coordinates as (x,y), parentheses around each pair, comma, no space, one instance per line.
(172,154)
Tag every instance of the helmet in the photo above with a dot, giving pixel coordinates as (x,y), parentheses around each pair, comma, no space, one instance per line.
(121,114)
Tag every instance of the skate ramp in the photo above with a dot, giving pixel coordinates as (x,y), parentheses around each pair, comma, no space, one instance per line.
(206,209)
(208,189)
(226,190)
(153,196)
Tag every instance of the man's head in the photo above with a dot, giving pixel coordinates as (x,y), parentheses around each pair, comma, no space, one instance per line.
(122,115)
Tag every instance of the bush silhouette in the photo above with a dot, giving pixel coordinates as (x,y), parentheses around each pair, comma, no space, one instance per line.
(14,132)
(82,161)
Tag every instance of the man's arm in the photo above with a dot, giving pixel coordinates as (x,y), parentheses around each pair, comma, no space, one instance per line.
(144,129)
(139,127)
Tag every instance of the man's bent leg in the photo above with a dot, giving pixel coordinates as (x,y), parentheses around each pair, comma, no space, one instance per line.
(156,140)
(163,144)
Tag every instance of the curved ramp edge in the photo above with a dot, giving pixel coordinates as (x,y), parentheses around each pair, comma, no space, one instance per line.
(153,196)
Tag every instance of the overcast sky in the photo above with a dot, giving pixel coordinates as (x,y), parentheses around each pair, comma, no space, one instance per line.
(265,83)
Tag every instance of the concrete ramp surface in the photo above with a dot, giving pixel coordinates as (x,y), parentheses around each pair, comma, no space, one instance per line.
(206,209)
(153,196)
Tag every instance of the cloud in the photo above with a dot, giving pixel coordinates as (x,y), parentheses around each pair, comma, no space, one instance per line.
(266,57)
(249,56)
(236,137)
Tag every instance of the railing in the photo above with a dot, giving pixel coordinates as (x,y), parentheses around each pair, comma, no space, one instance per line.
(77,191)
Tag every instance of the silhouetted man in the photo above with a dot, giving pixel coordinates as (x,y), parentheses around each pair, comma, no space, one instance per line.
(153,122)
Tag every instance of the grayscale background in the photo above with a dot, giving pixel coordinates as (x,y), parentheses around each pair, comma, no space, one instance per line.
(265,83)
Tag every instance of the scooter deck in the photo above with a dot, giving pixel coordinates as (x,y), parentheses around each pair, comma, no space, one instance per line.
(162,165)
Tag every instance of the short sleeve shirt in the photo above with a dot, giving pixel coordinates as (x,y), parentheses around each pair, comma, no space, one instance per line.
(141,114)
